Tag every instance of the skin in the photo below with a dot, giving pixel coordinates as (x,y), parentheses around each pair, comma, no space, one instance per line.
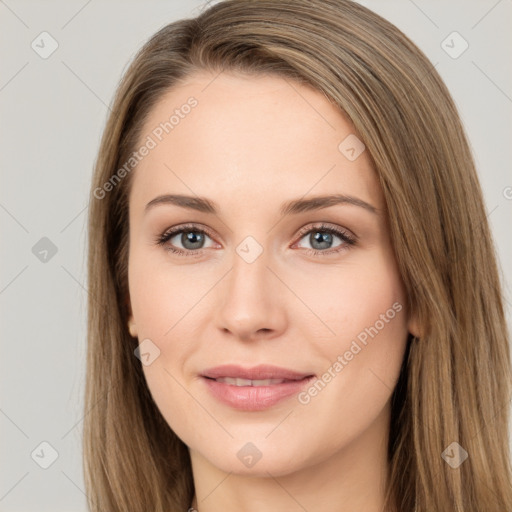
(251,144)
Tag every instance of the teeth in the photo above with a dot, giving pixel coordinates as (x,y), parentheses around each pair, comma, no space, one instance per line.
(247,382)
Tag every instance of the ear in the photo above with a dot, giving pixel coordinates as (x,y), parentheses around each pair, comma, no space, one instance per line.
(132,327)
(413,326)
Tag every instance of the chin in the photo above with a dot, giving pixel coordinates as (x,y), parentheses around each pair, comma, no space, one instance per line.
(256,459)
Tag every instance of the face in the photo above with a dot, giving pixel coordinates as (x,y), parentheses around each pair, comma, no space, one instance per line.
(272,325)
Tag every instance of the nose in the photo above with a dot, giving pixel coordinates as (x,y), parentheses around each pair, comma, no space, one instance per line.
(251,301)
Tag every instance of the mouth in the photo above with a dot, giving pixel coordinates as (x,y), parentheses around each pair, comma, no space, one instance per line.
(254,389)
(262,372)
(234,381)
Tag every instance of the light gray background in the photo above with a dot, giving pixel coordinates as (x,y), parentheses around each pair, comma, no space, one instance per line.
(52,113)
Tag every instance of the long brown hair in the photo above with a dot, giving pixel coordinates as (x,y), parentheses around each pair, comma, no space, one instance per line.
(455,384)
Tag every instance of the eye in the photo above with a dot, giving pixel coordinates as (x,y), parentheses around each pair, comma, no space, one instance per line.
(321,239)
(190,237)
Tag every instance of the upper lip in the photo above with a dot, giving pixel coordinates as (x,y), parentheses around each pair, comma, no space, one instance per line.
(260,372)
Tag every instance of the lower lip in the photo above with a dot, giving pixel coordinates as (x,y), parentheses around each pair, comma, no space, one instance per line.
(255,398)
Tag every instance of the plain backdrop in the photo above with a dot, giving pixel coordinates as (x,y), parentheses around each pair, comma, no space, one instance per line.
(52,112)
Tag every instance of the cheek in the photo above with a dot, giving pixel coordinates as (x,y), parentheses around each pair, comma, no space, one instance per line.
(364,315)
(161,295)
(368,315)
(346,302)
(160,299)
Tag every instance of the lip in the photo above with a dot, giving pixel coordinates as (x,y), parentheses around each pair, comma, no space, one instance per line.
(262,371)
(254,397)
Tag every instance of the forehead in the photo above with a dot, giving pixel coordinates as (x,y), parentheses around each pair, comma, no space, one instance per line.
(258,136)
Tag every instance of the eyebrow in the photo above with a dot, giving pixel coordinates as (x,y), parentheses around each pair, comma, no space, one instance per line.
(204,205)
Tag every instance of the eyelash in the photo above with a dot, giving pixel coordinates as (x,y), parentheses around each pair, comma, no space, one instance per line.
(348,240)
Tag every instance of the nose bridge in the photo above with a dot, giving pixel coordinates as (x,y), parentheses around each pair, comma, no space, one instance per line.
(248,303)
(249,279)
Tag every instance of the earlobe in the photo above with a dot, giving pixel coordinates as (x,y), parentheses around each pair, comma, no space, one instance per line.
(413,327)
(131,322)
(132,327)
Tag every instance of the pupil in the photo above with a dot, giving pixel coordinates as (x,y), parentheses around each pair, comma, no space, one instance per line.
(318,237)
(192,238)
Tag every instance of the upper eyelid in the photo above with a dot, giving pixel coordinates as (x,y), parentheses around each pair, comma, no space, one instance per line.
(323,225)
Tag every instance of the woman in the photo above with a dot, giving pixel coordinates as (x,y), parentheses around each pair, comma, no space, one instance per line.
(232,367)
